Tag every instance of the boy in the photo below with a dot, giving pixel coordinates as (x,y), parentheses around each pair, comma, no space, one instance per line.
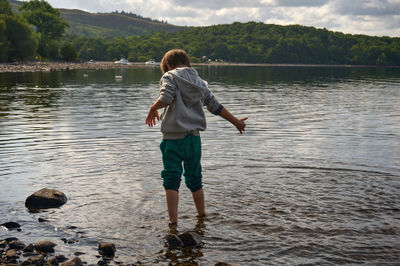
(183,94)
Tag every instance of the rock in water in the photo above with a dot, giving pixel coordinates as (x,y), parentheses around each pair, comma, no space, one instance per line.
(12,226)
(45,198)
(190,239)
(36,260)
(16,244)
(45,246)
(11,254)
(74,262)
(107,249)
(174,241)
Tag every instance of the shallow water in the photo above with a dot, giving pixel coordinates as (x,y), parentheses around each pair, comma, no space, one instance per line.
(315,179)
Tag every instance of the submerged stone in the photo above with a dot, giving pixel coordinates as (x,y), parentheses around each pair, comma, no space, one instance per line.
(190,239)
(45,198)
(107,249)
(174,241)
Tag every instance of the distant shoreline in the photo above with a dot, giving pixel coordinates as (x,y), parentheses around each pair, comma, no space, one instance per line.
(33,66)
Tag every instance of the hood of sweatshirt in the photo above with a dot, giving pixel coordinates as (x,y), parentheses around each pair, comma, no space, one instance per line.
(191,86)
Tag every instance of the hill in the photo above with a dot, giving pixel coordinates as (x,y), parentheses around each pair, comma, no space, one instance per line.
(111,24)
(249,42)
(108,25)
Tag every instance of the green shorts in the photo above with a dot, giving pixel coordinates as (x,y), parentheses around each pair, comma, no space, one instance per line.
(178,151)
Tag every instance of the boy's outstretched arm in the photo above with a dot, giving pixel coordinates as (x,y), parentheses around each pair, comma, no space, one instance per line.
(153,113)
(238,123)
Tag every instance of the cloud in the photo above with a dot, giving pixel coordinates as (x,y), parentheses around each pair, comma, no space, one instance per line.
(296,3)
(372,17)
(373,8)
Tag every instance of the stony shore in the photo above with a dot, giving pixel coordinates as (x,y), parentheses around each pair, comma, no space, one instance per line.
(36,66)
(57,66)
(13,252)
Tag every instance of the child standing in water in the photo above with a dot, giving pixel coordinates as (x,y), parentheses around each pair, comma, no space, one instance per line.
(183,94)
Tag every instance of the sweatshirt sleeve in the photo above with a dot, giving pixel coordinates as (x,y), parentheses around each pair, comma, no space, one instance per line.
(212,103)
(167,89)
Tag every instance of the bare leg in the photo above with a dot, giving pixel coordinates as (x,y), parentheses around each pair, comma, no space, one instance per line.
(198,198)
(172,197)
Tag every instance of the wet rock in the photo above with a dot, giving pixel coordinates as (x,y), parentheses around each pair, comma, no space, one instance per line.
(107,249)
(45,198)
(45,246)
(11,254)
(221,263)
(28,248)
(9,239)
(30,254)
(12,226)
(61,258)
(74,262)
(174,241)
(3,243)
(190,239)
(52,261)
(16,244)
(36,260)
(42,220)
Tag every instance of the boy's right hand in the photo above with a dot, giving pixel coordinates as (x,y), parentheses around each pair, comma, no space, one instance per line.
(151,117)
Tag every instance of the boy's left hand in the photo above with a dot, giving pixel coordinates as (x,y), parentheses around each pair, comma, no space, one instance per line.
(151,117)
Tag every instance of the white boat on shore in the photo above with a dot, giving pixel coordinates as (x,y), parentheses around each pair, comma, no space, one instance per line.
(122,61)
(151,63)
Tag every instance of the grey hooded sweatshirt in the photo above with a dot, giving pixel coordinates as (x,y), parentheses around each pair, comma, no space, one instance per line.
(186,94)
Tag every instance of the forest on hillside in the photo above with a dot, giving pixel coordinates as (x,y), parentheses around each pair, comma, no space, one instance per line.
(249,42)
(37,31)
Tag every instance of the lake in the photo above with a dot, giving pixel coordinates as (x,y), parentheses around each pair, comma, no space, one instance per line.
(314,180)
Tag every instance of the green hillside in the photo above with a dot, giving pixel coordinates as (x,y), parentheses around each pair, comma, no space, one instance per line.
(108,24)
(111,24)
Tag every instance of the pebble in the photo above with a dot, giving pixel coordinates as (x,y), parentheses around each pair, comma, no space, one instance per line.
(74,262)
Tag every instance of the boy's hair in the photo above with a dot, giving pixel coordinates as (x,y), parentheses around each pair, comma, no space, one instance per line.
(174,58)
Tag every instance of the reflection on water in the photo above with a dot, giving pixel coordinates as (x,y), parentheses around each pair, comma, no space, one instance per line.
(314,180)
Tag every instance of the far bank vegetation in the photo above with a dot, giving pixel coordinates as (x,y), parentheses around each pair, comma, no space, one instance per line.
(23,38)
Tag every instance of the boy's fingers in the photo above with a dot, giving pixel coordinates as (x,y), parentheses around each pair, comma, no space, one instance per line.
(244,118)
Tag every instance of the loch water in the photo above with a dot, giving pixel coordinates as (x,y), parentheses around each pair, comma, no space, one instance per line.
(314,180)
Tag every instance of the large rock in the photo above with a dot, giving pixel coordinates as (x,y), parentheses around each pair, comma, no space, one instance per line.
(45,198)
(45,246)
(107,249)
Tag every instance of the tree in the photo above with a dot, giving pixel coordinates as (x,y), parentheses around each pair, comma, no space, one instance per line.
(48,24)
(5,7)
(68,52)
(44,17)
(17,39)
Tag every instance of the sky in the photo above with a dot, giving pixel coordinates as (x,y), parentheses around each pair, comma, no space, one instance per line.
(371,17)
